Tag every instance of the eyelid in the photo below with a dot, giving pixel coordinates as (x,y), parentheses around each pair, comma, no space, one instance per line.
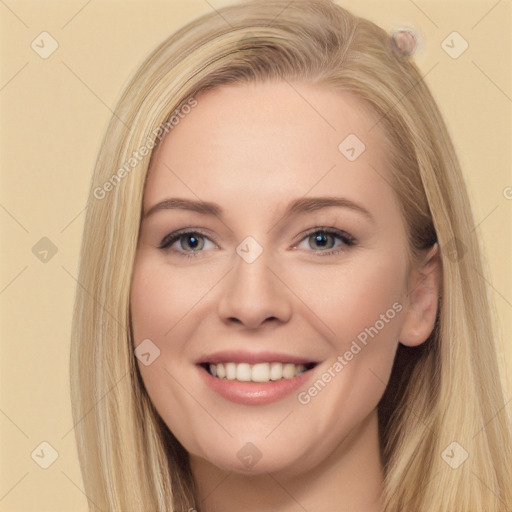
(171,238)
(340,233)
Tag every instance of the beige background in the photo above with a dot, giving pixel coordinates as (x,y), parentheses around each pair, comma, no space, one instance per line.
(53,114)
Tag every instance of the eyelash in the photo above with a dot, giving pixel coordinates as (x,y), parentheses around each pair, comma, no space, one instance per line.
(347,239)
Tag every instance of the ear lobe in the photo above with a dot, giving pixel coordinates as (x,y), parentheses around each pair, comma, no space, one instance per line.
(423,300)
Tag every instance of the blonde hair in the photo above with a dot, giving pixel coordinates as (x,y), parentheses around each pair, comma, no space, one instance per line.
(446,390)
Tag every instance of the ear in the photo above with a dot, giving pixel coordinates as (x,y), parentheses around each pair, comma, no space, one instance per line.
(422,299)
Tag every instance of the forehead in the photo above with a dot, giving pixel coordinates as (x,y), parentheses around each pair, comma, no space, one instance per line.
(256,144)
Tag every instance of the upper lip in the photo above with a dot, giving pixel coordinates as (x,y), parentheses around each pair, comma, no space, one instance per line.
(239,356)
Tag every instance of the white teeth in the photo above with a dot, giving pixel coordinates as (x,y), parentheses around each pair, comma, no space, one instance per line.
(230,371)
(243,372)
(221,371)
(260,372)
(276,371)
(288,371)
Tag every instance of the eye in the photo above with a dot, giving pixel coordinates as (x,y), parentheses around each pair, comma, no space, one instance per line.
(319,239)
(188,242)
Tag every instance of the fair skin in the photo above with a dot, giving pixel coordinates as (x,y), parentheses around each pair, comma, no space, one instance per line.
(252,150)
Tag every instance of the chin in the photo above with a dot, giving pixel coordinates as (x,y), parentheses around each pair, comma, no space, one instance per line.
(257,458)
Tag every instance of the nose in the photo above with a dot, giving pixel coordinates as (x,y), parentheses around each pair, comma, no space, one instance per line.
(253,294)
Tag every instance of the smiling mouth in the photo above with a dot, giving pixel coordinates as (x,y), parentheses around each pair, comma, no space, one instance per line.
(259,372)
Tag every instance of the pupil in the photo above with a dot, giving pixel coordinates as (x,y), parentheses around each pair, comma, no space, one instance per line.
(192,241)
(321,239)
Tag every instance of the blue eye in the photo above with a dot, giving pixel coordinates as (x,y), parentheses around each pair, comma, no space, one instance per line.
(192,243)
(325,238)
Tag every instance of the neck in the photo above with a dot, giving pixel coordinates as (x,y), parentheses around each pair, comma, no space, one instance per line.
(349,480)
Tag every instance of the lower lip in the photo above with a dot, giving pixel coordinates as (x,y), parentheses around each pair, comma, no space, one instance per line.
(254,393)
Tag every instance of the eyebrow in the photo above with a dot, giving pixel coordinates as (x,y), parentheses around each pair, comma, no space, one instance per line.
(301,205)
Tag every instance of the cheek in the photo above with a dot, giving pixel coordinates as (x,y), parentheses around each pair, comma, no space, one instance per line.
(156,311)
(161,297)
(150,299)
(159,302)
(363,310)
(350,300)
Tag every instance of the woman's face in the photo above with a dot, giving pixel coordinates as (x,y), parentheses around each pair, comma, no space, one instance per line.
(290,283)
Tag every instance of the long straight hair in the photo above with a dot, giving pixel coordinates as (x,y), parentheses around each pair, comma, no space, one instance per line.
(446,390)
